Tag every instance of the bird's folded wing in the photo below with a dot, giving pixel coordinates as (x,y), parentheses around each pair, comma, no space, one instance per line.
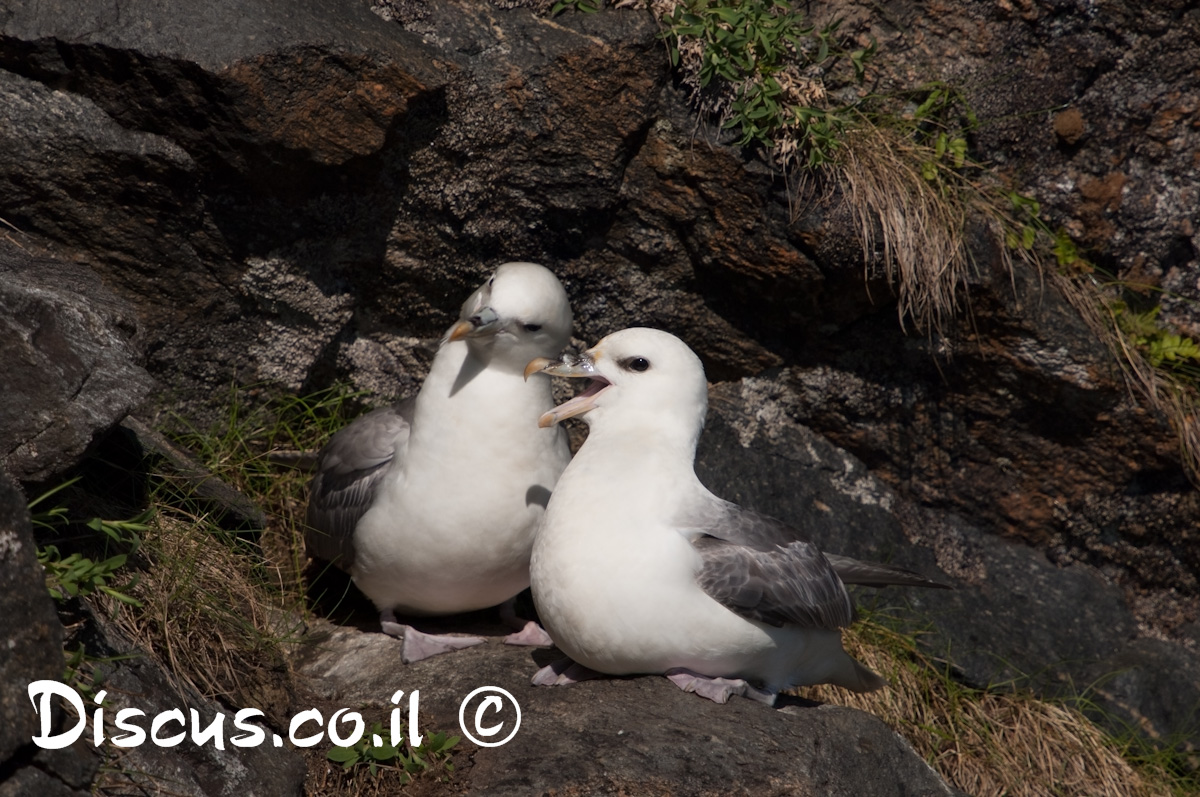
(873,574)
(792,584)
(730,522)
(348,470)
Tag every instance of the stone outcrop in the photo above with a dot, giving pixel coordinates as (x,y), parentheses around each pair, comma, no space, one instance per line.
(31,631)
(626,735)
(70,351)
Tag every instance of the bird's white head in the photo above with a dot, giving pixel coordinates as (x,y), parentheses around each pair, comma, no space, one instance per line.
(642,379)
(520,312)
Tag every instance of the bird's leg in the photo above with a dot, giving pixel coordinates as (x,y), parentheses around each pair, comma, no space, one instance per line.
(388,624)
(528,632)
(418,645)
(717,690)
(563,672)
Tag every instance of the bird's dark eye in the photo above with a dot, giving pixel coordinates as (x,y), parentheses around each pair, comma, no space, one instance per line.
(532,327)
(638,364)
(491,280)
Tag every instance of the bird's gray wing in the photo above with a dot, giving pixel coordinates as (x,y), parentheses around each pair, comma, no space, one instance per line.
(730,522)
(873,574)
(790,585)
(348,469)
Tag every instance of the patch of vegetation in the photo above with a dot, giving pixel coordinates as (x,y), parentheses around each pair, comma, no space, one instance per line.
(1161,347)
(1001,741)
(902,164)
(222,607)
(580,6)
(76,575)
(760,68)
(264,448)
(80,672)
(433,754)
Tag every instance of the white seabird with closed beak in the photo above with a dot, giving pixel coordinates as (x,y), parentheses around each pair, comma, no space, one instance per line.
(431,505)
(637,568)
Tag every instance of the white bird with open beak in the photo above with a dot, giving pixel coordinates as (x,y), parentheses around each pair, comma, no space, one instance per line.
(637,568)
(432,504)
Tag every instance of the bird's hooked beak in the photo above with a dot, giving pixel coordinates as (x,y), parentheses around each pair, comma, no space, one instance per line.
(483,322)
(571,365)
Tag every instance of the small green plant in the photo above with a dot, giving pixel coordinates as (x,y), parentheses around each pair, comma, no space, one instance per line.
(76,575)
(1161,347)
(581,6)
(1027,213)
(942,122)
(364,752)
(770,63)
(55,517)
(79,671)
(433,751)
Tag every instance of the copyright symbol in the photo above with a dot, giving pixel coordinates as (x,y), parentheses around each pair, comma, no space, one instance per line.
(490,716)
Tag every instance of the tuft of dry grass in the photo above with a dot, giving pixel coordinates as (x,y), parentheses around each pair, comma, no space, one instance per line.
(223,609)
(988,742)
(207,614)
(913,226)
(265,450)
(1178,400)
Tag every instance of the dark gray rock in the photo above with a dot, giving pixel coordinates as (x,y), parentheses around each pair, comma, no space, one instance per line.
(1063,632)
(182,159)
(71,172)
(626,735)
(1013,617)
(214,37)
(69,350)
(30,633)
(1151,687)
(140,681)
(57,773)
(754,454)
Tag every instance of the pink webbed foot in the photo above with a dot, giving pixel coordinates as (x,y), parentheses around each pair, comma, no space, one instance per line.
(527,631)
(718,690)
(531,634)
(563,672)
(417,645)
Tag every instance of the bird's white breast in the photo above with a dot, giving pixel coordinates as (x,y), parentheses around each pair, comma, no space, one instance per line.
(615,584)
(451,527)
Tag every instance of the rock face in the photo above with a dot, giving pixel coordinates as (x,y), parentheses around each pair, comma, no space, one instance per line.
(200,770)
(197,147)
(1030,412)
(627,735)
(303,192)
(69,349)
(1012,616)
(31,631)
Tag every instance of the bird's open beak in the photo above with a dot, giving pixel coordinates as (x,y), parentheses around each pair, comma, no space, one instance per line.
(576,366)
(484,322)
(538,365)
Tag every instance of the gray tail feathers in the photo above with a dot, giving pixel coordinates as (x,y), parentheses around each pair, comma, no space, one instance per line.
(858,678)
(870,574)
